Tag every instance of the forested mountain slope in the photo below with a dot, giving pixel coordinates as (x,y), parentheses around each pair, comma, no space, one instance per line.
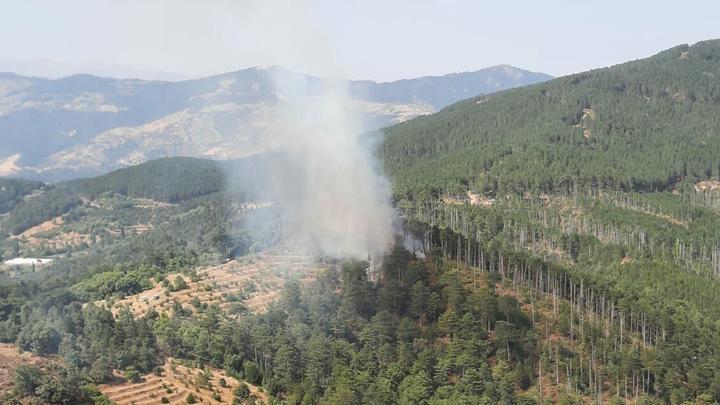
(27,203)
(599,190)
(167,180)
(642,125)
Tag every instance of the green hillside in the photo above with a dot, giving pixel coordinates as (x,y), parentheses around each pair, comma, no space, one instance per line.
(643,125)
(168,180)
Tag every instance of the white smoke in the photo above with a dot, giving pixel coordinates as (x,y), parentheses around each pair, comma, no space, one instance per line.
(342,206)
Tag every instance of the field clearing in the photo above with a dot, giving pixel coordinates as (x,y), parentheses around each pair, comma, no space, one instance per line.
(46,226)
(175,383)
(255,281)
(49,233)
(95,221)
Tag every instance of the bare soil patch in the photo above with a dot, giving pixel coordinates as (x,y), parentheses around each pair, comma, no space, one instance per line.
(256,281)
(11,358)
(707,185)
(50,234)
(471,198)
(46,226)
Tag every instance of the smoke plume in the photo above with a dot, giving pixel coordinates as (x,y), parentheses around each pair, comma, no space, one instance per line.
(335,194)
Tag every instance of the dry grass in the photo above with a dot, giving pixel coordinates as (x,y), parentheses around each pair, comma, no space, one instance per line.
(479,200)
(46,226)
(259,279)
(471,198)
(175,383)
(49,233)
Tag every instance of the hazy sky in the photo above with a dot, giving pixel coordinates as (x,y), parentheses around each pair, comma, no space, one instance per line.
(381,40)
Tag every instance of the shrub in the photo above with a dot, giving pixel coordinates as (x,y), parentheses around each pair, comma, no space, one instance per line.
(27,378)
(179,283)
(202,379)
(132,375)
(242,391)
(251,372)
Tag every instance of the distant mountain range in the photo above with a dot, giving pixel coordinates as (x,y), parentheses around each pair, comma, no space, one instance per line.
(84,125)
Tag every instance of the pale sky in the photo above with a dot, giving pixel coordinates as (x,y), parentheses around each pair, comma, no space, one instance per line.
(359,39)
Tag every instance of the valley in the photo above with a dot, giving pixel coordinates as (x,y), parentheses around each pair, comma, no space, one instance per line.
(566,240)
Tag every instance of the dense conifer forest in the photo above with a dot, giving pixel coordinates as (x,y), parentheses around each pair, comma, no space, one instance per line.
(645,125)
(600,191)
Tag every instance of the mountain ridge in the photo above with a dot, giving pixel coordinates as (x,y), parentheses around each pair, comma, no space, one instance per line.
(272,67)
(54,125)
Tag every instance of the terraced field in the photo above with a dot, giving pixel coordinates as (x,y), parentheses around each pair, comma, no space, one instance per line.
(253,281)
(175,383)
(94,222)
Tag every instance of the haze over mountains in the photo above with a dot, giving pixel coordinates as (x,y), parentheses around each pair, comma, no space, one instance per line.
(85,125)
